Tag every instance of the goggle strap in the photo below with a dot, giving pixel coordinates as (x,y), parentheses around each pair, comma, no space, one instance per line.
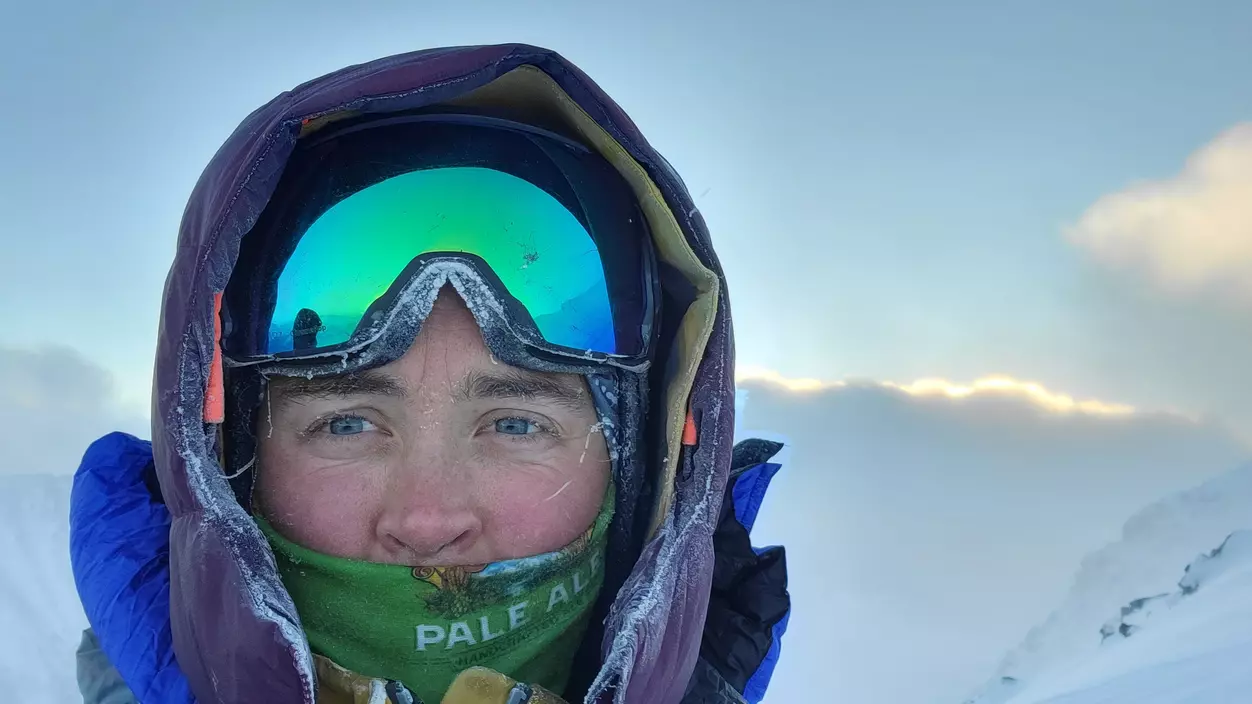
(690,434)
(215,391)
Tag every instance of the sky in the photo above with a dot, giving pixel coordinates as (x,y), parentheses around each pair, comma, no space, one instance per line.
(897,192)
(1000,251)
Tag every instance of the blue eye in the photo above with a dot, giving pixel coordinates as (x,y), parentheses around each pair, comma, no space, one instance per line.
(348,425)
(516,426)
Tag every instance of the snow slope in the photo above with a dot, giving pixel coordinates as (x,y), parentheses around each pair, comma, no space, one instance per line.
(40,617)
(1193,645)
(1137,626)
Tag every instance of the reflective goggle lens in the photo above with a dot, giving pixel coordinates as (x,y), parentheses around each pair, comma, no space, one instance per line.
(353,253)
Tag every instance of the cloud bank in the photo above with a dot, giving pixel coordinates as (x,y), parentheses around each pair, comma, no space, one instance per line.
(53,403)
(1190,234)
(929,526)
(990,386)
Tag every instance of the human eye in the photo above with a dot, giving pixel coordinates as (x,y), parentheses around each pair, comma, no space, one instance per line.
(343,425)
(512,426)
(516,426)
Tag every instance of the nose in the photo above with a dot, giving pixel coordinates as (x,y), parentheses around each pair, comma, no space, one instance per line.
(428,523)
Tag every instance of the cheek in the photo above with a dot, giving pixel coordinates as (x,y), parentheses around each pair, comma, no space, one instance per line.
(534,512)
(315,502)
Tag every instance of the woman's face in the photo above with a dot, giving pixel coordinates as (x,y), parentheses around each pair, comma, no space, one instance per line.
(445,456)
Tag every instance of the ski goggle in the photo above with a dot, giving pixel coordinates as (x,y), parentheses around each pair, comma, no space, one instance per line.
(560,276)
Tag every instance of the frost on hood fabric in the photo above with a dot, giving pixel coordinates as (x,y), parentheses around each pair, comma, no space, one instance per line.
(194,574)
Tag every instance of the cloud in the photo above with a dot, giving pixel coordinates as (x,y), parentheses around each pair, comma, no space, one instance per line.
(929,526)
(53,403)
(1161,351)
(1189,234)
(990,386)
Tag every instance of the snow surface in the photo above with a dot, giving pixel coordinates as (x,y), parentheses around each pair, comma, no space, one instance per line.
(1163,616)
(41,619)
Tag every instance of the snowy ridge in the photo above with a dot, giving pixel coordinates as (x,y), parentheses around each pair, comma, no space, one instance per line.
(1192,645)
(1232,556)
(41,620)
(1128,605)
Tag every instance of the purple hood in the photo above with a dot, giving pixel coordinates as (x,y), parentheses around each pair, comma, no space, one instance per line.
(236,633)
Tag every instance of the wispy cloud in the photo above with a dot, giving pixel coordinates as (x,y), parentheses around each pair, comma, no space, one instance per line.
(1189,234)
(53,403)
(990,386)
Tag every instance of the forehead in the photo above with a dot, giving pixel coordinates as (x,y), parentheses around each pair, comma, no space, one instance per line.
(501,382)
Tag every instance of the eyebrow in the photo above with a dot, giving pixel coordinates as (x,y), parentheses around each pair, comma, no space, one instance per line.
(367,383)
(560,389)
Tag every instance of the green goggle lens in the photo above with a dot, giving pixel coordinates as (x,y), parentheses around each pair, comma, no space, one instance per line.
(354,252)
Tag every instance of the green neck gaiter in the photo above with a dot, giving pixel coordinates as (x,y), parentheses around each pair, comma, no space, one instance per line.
(422,626)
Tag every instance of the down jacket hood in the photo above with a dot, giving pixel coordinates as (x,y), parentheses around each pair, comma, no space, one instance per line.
(233,624)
